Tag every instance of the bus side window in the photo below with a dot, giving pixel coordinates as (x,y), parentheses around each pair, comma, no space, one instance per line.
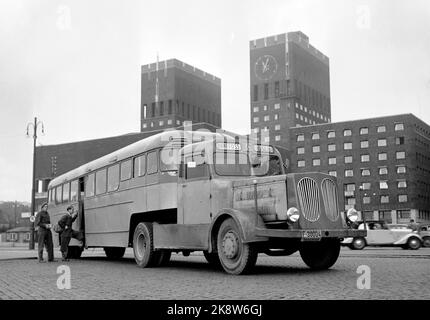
(139,166)
(101,181)
(74,191)
(66,190)
(152,163)
(58,194)
(89,185)
(113,178)
(196,168)
(126,170)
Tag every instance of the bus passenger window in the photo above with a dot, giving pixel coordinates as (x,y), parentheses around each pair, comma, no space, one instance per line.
(139,166)
(169,159)
(113,178)
(101,181)
(52,195)
(125,170)
(89,185)
(58,194)
(66,189)
(152,165)
(74,191)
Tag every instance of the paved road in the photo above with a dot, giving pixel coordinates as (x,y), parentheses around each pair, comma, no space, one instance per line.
(395,274)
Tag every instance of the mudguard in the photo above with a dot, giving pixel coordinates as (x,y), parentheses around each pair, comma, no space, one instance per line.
(405,239)
(247,220)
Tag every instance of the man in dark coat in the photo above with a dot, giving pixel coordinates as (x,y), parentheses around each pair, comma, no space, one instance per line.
(66,235)
(43,222)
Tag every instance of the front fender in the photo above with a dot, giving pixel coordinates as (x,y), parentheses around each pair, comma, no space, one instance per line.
(246,221)
(405,239)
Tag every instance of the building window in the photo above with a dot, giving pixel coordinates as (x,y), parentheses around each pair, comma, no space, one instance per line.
(266,91)
(277,138)
(300,137)
(365,158)
(276,116)
(277,106)
(365,172)
(277,127)
(161,123)
(364,131)
(316,149)
(316,162)
(297,116)
(144,111)
(364,144)
(276,89)
(382,142)
(347,133)
(400,140)
(265,107)
(301,163)
(256,109)
(256,130)
(366,200)
(399,127)
(256,119)
(385,215)
(349,173)
(383,171)
(383,185)
(348,159)
(400,155)
(169,122)
(402,184)
(255,92)
(331,161)
(366,185)
(382,156)
(331,147)
(300,150)
(144,125)
(267,118)
(403,214)
(403,198)
(347,146)
(333,173)
(331,134)
(381,129)
(315,136)
(385,199)
(401,169)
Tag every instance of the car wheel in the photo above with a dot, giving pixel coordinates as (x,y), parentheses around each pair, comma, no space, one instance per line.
(426,242)
(358,244)
(320,255)
(414,243)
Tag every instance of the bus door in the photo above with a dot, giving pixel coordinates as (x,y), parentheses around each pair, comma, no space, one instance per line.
(196,191)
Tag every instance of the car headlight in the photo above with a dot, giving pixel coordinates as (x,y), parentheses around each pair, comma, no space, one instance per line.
(352,215)
(293,214)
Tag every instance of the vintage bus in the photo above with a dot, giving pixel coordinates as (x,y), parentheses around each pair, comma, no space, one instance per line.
(183,191)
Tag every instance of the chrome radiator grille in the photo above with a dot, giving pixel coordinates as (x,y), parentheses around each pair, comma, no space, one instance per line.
(329,195)
(309,197)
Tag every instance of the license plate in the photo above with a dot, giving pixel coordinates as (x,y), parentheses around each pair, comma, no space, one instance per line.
(311,235)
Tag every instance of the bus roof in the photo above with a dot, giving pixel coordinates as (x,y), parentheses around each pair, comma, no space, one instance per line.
(163,139)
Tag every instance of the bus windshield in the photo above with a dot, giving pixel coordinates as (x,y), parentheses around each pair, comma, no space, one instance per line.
(266,166)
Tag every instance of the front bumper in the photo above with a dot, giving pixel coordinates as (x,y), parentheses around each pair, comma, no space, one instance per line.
(337,233)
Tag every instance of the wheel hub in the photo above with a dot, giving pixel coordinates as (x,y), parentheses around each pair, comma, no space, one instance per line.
(230,245)
(141,245)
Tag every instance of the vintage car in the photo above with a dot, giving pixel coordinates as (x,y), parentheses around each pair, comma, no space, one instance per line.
(424,232)
(381,234)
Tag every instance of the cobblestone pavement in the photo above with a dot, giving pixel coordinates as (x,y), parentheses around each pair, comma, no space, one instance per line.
(395,274)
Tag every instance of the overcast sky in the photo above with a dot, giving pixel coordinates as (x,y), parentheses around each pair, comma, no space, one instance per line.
(76,64)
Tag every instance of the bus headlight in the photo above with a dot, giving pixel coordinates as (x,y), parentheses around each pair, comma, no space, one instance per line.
(293,214)
(352,215)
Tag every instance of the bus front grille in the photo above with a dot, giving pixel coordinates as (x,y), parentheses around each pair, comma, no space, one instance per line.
(309,197)
(329,195)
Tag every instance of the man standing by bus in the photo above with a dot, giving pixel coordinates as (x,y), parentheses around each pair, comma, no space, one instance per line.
(66,235)
(43,222)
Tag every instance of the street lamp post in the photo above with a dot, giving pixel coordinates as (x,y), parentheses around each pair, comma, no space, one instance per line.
(35,126)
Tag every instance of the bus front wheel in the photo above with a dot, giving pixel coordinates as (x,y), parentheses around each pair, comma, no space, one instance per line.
(235,256)
(114,253)
(320,255)
(143,246)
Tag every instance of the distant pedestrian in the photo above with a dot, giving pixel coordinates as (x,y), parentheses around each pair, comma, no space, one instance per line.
(68,233)
(43,222)
(413,225)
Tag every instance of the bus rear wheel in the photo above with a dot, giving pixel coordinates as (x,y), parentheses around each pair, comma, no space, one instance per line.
(320,255)
(114,253)
(143,246)
(235,256)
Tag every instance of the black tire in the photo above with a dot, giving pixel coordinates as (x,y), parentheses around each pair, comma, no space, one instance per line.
(320,255)
(163,258)
(414,243)
(358,243)
(114,253)
(143,246)
(212,258)
(74,252)
(235,256)
(426,242)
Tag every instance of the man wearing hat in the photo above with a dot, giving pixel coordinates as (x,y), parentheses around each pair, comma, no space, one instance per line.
(43,222)
(66,224)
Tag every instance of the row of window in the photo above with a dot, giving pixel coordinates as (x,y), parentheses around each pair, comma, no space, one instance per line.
(266,118)
(311,112)
(383,199)
(348,132)
(160,123)
(276,106)
(366,172)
